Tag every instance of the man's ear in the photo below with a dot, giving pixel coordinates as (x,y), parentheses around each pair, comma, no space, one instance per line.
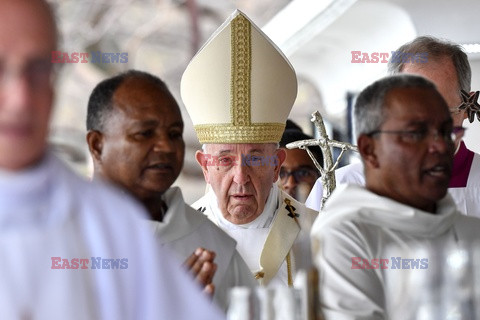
(366,147)
(95,144)
(202,160)
(281,155)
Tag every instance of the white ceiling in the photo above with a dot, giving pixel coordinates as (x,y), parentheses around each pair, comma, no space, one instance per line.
(324,55)
(374,26)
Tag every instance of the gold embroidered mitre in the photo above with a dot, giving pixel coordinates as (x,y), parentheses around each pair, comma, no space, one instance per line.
(239,87)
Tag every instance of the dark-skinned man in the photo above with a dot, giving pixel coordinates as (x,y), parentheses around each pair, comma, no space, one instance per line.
(135,138)
(406,142)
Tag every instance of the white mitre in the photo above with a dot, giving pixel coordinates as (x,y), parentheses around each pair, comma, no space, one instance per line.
(239,87)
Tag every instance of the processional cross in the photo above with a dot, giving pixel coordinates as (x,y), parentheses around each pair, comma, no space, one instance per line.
(327,173)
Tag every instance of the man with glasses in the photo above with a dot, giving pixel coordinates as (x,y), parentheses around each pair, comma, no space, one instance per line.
(406,142)
(238,91)
(298,172)
(448,68)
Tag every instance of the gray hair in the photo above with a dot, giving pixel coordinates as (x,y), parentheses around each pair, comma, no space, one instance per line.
(435,48)
(369,110)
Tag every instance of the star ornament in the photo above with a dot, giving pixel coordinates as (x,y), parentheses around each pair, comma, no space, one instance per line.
(470,105)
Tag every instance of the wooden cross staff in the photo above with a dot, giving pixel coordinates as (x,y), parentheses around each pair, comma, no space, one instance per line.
(327,173)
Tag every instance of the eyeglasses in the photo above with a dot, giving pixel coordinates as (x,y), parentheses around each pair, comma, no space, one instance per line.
(304,174)
(420,135)
(455,111)
(459,132)
(469,104)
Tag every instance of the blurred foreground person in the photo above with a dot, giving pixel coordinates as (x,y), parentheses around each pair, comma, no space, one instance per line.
(406,142)
(135,138)
(70,249)
(298,172)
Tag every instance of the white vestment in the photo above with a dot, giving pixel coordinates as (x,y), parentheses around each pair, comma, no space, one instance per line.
(50,219)
(357,223)
(464,184)
(184,229)
(271,244)
(351,174)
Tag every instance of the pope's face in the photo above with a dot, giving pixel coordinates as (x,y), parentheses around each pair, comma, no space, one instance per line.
(412,163)
(241,175)
(27,38)
(142,143)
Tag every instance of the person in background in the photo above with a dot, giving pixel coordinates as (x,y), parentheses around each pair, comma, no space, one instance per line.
(135,137)
(446,65)
(238,91)
(406,142)
(70,248)
(298,172)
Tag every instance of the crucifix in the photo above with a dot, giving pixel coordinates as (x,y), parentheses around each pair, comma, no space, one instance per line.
(327,173)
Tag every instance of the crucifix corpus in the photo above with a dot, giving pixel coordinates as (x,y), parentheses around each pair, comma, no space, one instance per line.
(327,173)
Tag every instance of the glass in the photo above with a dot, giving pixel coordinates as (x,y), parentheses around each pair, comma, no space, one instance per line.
(279,303)
(302,174)
(447,289)
(467,99)
(420,135)
(245,160)
(459,131)
(241,304)
(455,111)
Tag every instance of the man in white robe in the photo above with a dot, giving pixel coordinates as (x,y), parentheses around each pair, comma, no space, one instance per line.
(268,243)
(69,249)
(47,213)
(349,174)
(238,91)
(135,139)
(405,140)
(449,69)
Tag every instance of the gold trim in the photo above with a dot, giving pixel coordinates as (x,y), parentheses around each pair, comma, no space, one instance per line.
(291,210)
(241,63)
(289,270)
(259,275)
(228,133)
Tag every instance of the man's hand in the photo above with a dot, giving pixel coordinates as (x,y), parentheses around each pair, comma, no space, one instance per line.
(201,265)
